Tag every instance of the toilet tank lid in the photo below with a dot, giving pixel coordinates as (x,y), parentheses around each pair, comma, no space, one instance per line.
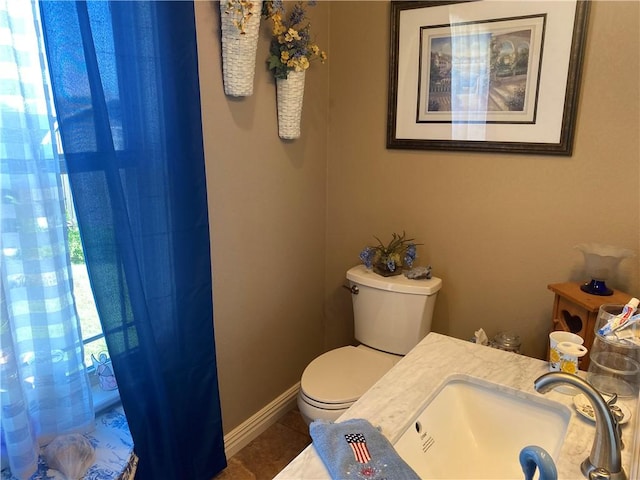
(398,283)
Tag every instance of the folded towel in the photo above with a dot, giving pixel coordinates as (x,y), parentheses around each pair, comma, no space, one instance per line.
(354,449)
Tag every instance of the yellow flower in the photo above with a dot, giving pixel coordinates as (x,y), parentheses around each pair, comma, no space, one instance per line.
(298,64)
(242,10)
(278,28)
(323,57)
(291,35)
(315,49)
(567,366)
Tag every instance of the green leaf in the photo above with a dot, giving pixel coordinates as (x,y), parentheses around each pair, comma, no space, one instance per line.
(274,62)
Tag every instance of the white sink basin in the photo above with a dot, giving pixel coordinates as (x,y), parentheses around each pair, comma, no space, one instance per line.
(473,429)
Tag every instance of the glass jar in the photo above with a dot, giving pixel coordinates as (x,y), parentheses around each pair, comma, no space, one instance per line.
(614,365)
(507,341)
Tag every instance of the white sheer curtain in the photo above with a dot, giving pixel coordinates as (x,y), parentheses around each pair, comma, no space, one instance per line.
(44,389)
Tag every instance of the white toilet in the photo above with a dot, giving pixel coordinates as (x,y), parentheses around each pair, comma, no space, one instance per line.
(391,315)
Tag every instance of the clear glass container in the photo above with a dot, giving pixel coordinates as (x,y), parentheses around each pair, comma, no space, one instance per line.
(614,365)
(508,341)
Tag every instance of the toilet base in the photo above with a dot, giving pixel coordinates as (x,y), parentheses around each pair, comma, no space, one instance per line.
(310,412)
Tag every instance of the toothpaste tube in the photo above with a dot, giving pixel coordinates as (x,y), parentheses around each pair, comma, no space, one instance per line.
(631,321)
(619,321)
(625,334)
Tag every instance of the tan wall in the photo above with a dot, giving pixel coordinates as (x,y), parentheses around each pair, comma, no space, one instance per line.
(497,228)
(288,218)
(267,204)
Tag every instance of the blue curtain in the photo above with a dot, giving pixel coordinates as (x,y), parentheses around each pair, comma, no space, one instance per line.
(125,86)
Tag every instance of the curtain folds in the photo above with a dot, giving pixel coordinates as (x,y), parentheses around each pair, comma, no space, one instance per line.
(44,390)
(125,85)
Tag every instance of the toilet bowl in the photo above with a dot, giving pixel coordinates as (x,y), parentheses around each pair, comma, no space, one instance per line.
(391,315)
(336,379)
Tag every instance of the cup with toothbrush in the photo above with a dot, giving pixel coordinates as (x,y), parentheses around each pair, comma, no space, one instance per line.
(615,320)
(615,354)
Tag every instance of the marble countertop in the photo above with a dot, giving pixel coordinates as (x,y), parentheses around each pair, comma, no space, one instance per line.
(398,396)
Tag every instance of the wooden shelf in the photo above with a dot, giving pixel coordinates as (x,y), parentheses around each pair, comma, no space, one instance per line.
(571,291)
(577,311)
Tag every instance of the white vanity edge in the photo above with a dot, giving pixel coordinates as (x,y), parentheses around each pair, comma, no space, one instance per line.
(398,396)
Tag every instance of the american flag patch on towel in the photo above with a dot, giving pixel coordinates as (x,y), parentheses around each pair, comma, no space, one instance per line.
(358,444)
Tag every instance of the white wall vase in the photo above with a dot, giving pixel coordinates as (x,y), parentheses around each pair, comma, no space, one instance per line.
(290,94)
(239,49)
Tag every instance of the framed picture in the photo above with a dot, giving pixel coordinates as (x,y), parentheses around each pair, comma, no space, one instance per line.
(485,75)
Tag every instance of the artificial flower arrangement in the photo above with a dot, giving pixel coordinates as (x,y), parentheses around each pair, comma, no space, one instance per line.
(292,50)
(240,11)
(390,259)
(239,32)
(291,45)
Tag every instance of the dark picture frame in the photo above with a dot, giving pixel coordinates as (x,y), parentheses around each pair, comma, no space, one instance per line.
(485,75)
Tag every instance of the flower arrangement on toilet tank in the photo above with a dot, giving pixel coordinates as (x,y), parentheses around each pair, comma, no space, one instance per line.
(392,258)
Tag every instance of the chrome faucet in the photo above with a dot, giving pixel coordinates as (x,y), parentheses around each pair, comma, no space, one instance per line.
(606,450)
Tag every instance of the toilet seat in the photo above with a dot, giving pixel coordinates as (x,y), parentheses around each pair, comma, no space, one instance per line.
(336,379)
(328,407)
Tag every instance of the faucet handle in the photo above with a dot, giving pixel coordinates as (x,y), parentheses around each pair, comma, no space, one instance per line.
(618,416)
(617,412)
(599,474)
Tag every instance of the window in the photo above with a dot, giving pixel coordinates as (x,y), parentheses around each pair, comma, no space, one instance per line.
(92,335)
(20,63)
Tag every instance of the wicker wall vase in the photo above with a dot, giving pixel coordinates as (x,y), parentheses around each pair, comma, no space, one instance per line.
(239,50)
(290,94)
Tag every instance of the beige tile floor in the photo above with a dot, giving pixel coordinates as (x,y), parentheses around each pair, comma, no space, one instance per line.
(265,456)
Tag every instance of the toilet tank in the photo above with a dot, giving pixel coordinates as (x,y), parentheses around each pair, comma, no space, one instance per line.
(391,314)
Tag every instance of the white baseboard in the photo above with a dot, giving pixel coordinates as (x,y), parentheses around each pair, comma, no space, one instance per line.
(248,430)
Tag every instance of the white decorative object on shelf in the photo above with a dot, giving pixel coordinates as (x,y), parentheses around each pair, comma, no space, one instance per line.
(290,94)
(240,23)
(601,262)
